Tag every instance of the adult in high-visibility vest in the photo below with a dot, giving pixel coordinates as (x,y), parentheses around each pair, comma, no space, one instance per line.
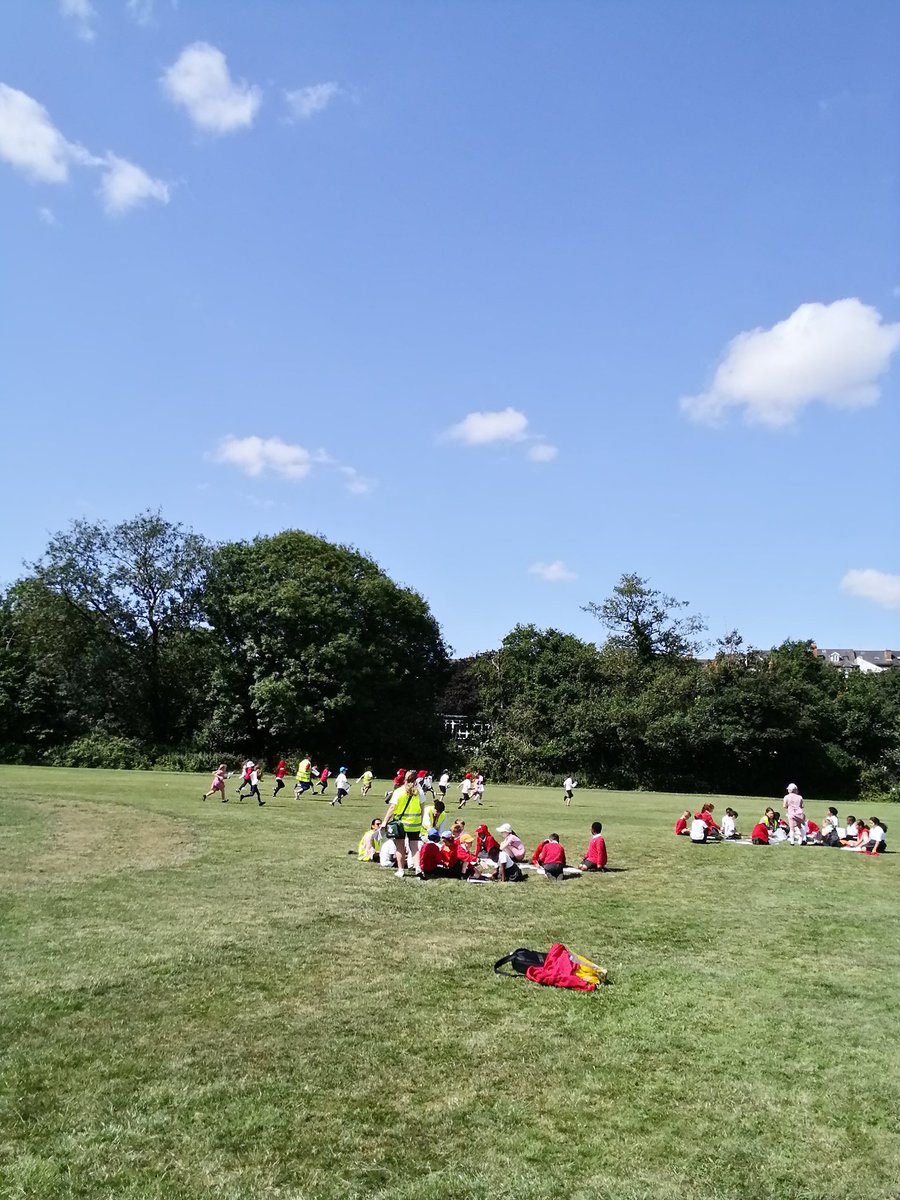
(370,843)
(405,808)
(304,776)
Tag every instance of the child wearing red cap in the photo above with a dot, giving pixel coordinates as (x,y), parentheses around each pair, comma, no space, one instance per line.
(465,791)
(485,842)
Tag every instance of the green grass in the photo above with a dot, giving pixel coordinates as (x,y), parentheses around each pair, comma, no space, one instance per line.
(209,1000)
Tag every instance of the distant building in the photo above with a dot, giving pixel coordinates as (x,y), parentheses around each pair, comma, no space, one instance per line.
(467,733)
(868,661)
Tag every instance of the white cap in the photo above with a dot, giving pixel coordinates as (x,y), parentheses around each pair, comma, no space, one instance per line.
(504,828)
(792,787)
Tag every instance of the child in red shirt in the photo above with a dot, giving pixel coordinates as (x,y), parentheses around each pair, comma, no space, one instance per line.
(430,862)
(706,816)
(595,858)
(681,825)
(537,852)
(450,859)
(552,857)
(485,841)
(759,835)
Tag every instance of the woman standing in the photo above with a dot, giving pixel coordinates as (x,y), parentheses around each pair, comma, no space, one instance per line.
(403,822)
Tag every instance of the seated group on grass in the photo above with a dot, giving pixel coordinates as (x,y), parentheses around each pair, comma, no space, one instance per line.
(794,827)
(449,852)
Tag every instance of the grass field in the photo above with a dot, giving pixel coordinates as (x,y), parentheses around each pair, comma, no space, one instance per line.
(206,1000)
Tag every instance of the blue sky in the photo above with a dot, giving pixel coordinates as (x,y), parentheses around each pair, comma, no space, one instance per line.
(514,296)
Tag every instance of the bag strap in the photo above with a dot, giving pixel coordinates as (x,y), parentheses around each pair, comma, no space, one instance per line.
(398,815)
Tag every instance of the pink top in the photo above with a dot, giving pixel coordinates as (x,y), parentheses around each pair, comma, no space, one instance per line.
(514,846)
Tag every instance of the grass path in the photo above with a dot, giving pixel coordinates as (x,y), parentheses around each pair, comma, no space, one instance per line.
(207,1000)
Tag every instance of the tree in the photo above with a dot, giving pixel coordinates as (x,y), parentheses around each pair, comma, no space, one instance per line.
(539,693)
(129,598)
(645,622)
(317,649)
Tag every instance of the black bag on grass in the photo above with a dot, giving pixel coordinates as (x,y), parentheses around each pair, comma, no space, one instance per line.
(518,962)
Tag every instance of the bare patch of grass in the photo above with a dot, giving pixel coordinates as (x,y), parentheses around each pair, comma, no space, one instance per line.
(71,840)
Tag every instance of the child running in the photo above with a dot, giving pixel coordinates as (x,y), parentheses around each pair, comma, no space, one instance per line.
(280,772)
(254,786)
(570,783)
(217,784)
(365,782)
(341,785)
(465,791)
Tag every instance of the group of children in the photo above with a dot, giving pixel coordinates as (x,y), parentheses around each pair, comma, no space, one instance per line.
(448,851)
(793,827)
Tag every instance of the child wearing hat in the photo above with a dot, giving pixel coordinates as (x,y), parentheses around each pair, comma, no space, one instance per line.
(342,786)
(430,862)
(511,842)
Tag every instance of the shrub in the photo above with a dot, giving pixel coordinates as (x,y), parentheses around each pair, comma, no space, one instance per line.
(104,750)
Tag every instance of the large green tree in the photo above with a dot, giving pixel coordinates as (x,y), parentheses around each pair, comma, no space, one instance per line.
(115,614)
(319,650)
(647,622)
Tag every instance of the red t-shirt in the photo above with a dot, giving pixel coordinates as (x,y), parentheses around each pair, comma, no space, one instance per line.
(280,770)
(707,819)
(596,851)
(760,831)
(429,856)
(537,852)
(681,825)
(813,827)
(325,774)
(485,842)
(449,852)
(552,854)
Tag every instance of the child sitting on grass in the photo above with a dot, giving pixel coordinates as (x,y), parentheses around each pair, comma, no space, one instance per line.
(552,858)
(431,864)
(595,857)
(877,843)
(729,825)
(683,823)
(759,834)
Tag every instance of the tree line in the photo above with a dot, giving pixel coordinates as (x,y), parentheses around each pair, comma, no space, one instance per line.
(142,644)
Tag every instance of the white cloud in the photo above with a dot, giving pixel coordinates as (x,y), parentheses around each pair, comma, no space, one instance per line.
(357,485)
(832,353)
(125,184)
(253,455)
(542,452)
(555,572)
(31,142)
(48,216)
(879,587)
(200,82)
(140,11)
(83,14)
(305,102)
(483,428)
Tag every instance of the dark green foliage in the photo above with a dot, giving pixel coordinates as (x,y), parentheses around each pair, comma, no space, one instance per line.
(318,649)
(139,645)
(644,713)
